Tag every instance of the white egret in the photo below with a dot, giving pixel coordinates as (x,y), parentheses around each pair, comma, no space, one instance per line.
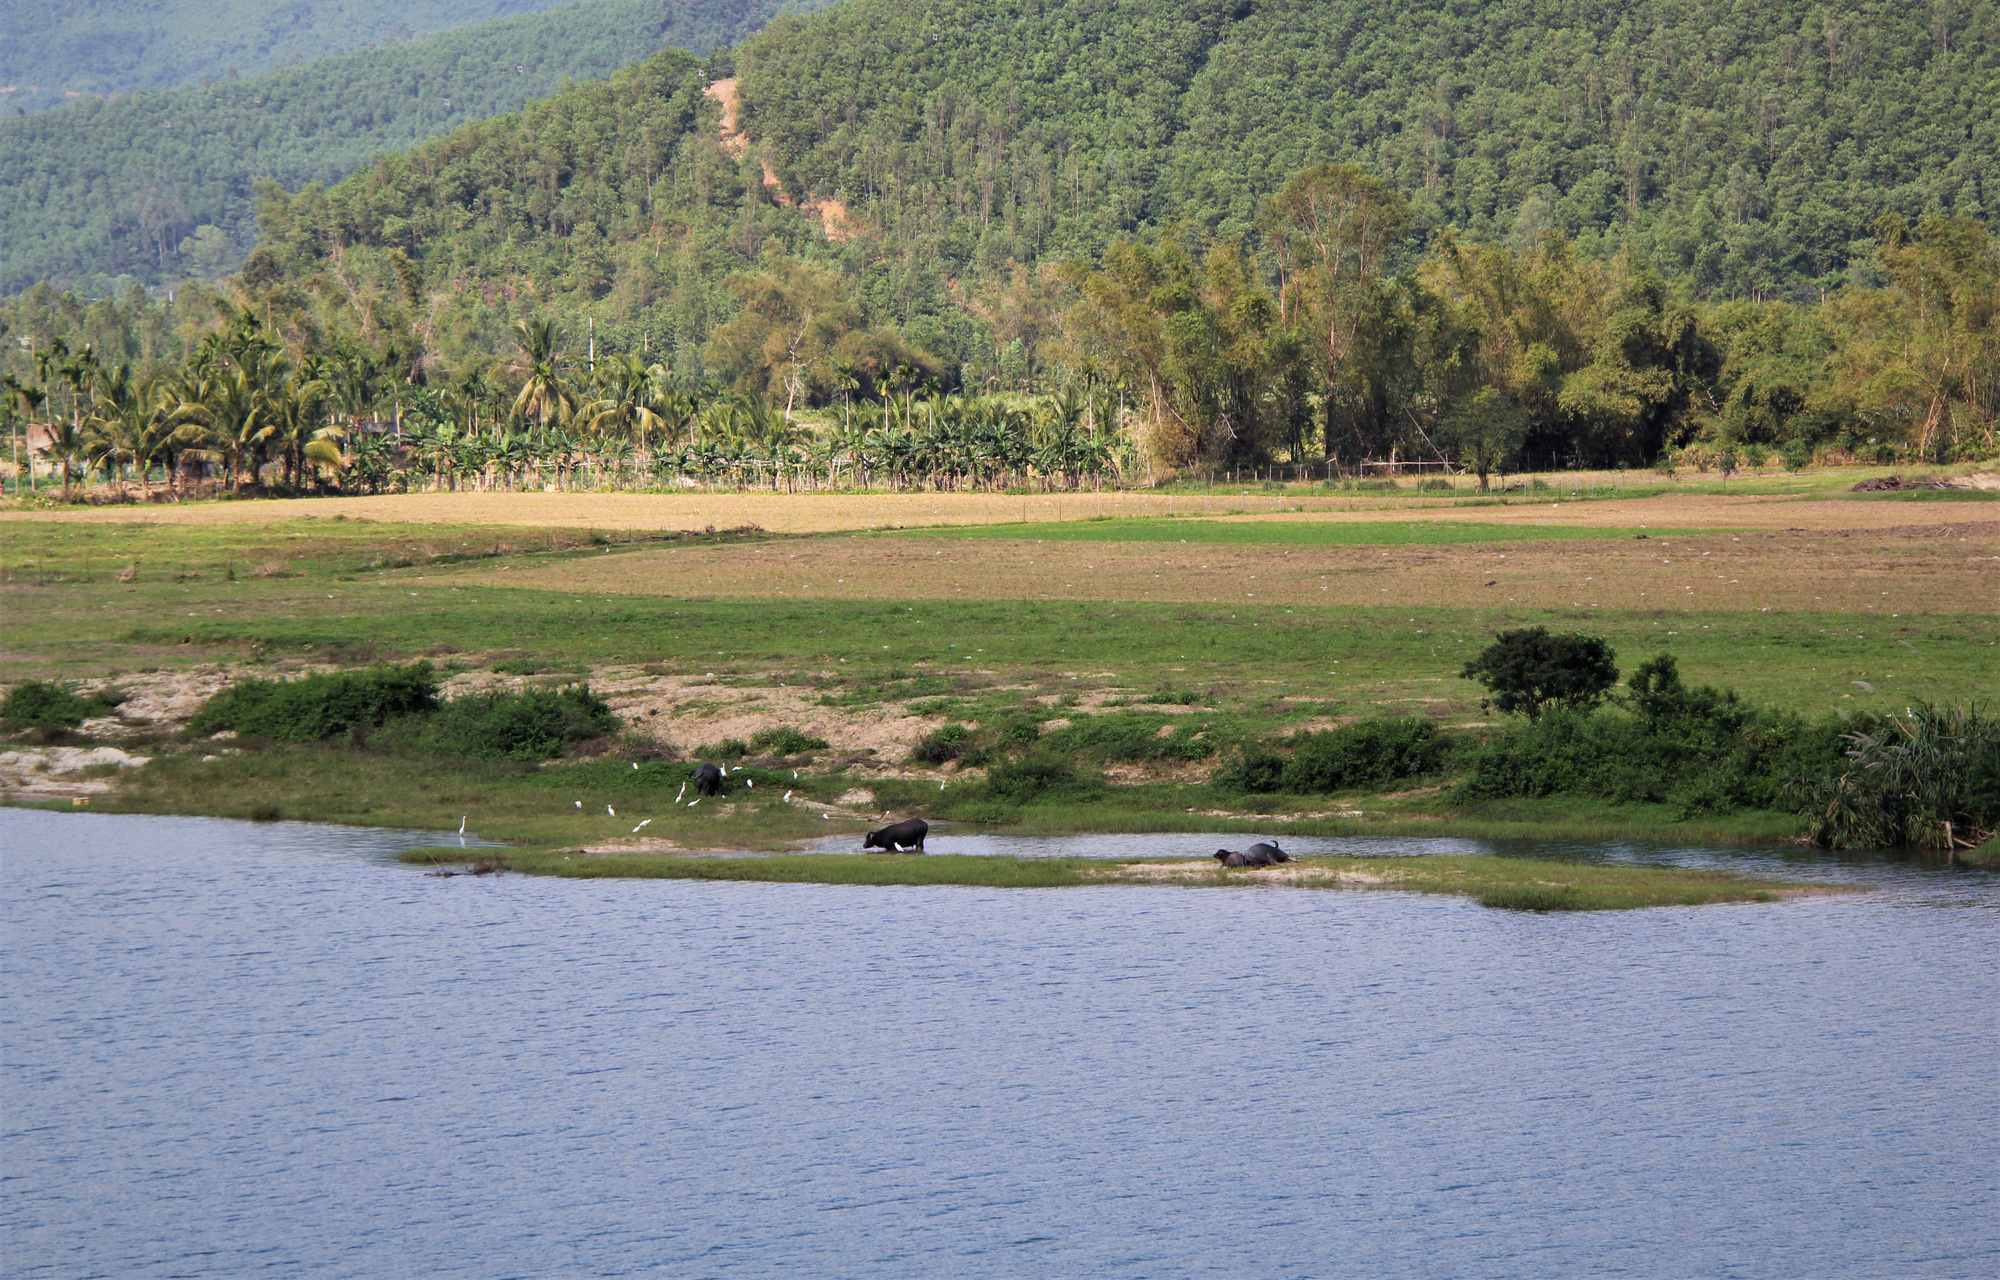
(642,826)
(608,809)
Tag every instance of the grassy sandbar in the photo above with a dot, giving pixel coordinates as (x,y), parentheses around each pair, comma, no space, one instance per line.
(1513,883)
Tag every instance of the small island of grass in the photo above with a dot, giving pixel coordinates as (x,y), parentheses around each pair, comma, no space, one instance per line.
(1510,883)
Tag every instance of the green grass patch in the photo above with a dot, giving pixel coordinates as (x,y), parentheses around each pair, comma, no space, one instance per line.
(1510,883)
(1302,533)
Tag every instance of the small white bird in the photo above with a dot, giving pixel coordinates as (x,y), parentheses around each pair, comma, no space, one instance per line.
(788,797)
(827,816)
(795,775)
(635,766)
(750,783)
(579,804)
(642,826)
(461,826)
(608,809)
(940,786)
(692,803)
(724,768)
(682,792)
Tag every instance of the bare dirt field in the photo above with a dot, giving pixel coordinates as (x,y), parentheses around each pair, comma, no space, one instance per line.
(1812,508)
(1933,568)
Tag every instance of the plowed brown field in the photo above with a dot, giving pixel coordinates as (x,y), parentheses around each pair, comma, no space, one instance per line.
(1908,569)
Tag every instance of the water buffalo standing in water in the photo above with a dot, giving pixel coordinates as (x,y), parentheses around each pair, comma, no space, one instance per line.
(903,837)
(708,780)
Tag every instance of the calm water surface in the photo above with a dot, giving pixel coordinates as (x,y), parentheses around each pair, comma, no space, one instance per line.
(269,1050)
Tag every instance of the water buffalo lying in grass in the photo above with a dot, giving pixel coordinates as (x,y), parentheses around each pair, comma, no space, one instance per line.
(906,836)
(1257,855)
(708,780)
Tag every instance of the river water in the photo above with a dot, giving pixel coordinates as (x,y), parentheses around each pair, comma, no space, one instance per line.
(239,1050)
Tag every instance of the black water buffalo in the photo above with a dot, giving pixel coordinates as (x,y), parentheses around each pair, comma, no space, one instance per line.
(708,780)
(902,837)
(1257,855)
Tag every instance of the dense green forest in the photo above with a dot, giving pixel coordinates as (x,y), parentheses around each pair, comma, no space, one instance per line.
(160,185)
(61,47)
(1271,232)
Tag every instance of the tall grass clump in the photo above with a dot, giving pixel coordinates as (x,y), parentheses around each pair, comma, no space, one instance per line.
(1365,754)
(40,705)
(320,706)
(1930,778)
(532,725)
(1041,779)
(785,741)
(1137,737)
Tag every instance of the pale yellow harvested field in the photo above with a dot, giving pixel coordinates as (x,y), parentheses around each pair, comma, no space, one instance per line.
(1913,569)
(829,513)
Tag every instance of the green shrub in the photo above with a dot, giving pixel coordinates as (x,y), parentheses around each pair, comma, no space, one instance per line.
(1529,669)
(1365,754)
(1041,779)
(1254,771)
(940,746)
(1021,733)
(727,749)
(532,725)
(785,741)
(1132,736)
(1930,778)
(1702,748)
(320,706)
(39,705)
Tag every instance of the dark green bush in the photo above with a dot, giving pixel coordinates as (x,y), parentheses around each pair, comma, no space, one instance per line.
(785,741)
(1256,771)
(727,749)
(1366,754)
(1702,748)
(1040,779)
(942,745)
(46,706)
(1529,669)
(532,725)
(320,706)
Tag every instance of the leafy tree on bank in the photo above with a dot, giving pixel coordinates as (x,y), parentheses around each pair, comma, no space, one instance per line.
(1529,670)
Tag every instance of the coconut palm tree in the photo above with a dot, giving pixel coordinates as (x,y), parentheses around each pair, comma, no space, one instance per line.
(28,399)
(67,445)
(545,393)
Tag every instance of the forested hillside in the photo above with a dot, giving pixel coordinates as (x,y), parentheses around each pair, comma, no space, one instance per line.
(160,185)
(1280,229)
(60,47)
(1748,145)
